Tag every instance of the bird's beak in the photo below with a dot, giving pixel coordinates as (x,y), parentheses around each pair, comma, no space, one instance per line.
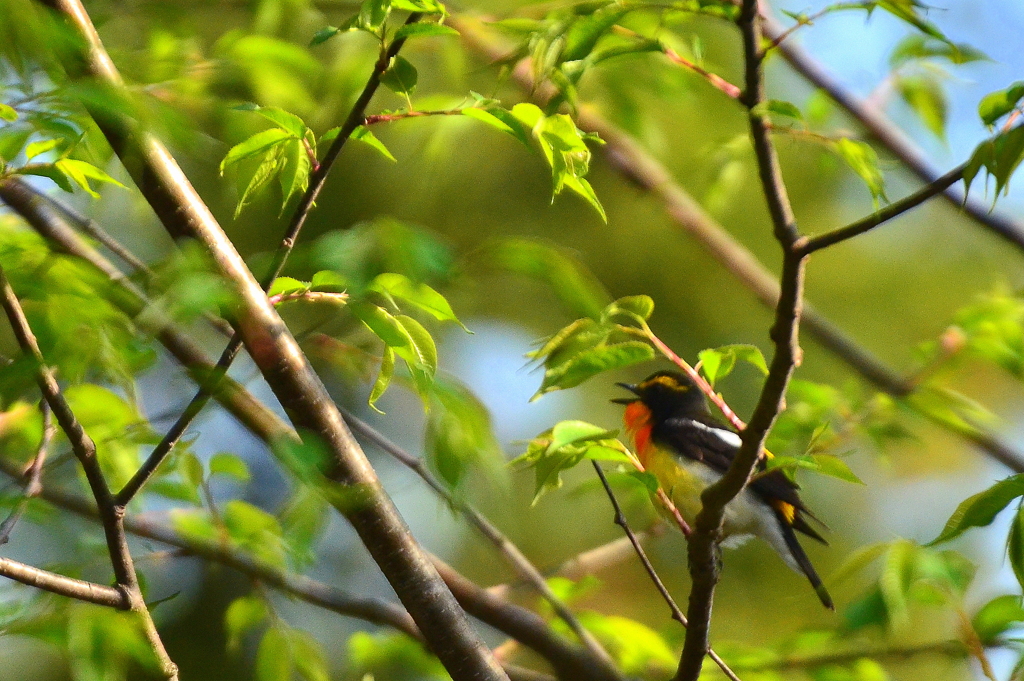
(627,400)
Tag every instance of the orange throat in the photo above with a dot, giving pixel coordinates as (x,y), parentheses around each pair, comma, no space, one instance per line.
(637,419)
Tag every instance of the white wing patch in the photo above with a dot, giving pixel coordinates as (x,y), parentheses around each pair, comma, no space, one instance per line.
(727,437)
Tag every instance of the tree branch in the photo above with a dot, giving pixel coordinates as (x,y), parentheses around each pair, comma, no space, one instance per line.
(890,136)
(64,586)
(33,473)
(868,223)
(703,544)
(112,517)
(291,378)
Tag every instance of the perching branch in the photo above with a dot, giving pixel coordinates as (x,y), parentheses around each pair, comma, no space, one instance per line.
(111,517)
(677,614)
(287,371)
(64,586)
(703,546)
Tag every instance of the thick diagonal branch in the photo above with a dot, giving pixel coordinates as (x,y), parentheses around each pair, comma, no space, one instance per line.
(287,371)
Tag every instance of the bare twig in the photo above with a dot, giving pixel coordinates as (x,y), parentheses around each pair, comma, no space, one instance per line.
(64,586)
(677,614)
(33,474)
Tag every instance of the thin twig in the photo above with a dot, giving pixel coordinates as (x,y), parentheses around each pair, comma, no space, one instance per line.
(84,448)
(888,213)
(677,614)
(715,80)
(512,553)
(33,473)
(64,586)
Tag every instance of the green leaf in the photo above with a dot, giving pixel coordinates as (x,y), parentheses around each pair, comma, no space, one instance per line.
(863,160)
(997,104)
(826,464)
(648,480)
(324,34)
(191,469)
(459,436)
(373,13)
(81,172)
(328,281)
(424,6)
(256,530)
(401,76)
(634,307)
(309,659)
(571,432)
(419,296)
(281,118)
(363,134)
(578,289)
(500,119)
(996,617)
(999,156)
(718,363)
(917,46)
(584,33)
(8,113)
(230,465)
(287,285)
(391,655)
(423,30)
(981,509)
(421,353)
(268,167)
(387,370)
(39,148)
(259,143)
(779,108)
(1015,545)
(274,661)
(243,615)
(592,362)
(907,10)
(295,170)
(48,171)
(925,96)
(637,649)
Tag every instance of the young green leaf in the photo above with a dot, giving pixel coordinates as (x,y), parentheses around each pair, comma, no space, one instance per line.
(8,113)
(996,617)
(718,363)
(230,465)
(501,119)
(863,160)
(589,363)
(424,6)
(295,169)
(1015,545)
(779,108)
(459,436)
(310,661)
(982,508)
(363,134)
(380,386)
(997,104)
(287,285)
(243,615)
(274,660)
(633,307)
(41,147)
(281,118)
(419,296)
(373,13)
(268,167)
(191,469)
(925,96)
(81,172)
(259,143)
(424,29)
(401,76)
(323,35)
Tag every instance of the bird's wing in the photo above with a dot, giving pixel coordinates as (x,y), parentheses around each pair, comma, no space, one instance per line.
(714,444)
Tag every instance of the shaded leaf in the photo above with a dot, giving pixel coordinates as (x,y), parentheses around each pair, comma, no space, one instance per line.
(423,30)
(363,134)
(231,465)
(981,509)
(401,76)
(380,386)
(594,361)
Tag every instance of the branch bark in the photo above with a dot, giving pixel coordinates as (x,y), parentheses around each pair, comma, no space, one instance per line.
(703,549)
(287,371)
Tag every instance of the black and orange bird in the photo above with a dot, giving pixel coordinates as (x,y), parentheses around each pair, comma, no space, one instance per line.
(678,440)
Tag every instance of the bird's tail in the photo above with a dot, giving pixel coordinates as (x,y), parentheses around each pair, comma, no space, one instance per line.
(804,562)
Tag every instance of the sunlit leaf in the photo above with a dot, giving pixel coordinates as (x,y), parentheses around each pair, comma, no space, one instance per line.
(243,615)
(419,296)
(230,465)
(926,97)
(363,134)
(863,160)
(287,285)
(997,104)
(996,617)
(81,172)
(423,30)
(387,370)
(257,144)
(589,363)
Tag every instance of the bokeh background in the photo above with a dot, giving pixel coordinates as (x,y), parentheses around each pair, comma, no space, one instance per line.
(466,186)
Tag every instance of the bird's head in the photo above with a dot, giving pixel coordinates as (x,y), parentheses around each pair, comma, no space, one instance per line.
(666,394)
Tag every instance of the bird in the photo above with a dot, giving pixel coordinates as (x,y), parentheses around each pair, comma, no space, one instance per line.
(687,449)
